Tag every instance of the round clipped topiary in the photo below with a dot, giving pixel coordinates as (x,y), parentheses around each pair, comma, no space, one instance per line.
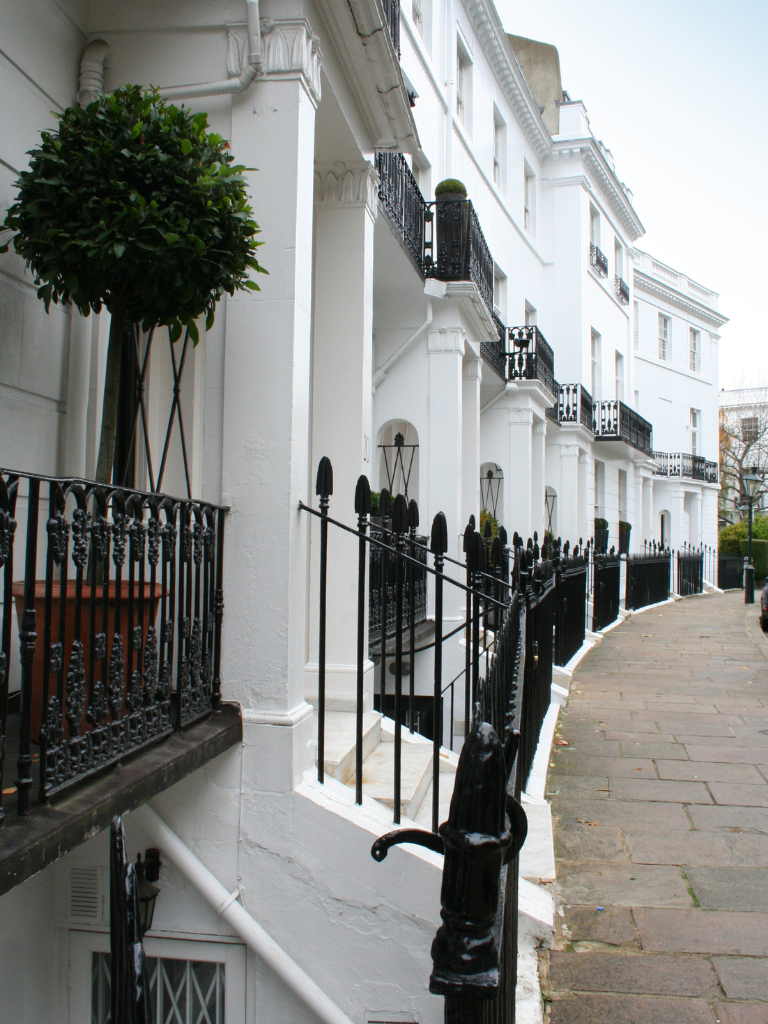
(133,205)
(451,185)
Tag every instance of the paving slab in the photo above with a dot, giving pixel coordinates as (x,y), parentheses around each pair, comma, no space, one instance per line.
(637,815)
(611,926)
(623,1009)
(660,789)
(614,885)
(740,819)
(615,767)
(579,843)
(742,1013)
(708,771)
(702,931)
(742,977)
(706,849)
(638,973)
(733,794)
(743,889)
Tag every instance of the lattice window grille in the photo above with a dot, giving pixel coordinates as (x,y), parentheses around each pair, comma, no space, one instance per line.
(181,991)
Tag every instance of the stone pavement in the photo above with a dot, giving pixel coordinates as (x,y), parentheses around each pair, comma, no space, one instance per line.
(659,790)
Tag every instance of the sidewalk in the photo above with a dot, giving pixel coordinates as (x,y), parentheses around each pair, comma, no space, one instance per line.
(659,790)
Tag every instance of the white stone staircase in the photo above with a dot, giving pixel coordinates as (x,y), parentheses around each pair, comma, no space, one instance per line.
(379,764)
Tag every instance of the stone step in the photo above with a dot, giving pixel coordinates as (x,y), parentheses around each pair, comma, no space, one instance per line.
(340,740)
(416,773)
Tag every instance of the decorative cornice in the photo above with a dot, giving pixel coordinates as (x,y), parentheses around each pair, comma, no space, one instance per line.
(651,286)
(521,416)
(347,185)
(604,177)
(474,308)
(446,340)
(495,44)
(472,369)
(290,48)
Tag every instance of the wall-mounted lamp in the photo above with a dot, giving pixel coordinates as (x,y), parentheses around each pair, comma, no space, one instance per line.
(147,872)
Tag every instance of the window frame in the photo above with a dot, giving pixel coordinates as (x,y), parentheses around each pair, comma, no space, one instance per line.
(463,81)
(83,944)
(694,350)
(664,325)
(529,198)
(694,423)
(499,148)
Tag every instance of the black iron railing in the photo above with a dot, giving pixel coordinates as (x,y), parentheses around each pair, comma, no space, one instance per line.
(118,598)
(648,577)
(571,601)
(530,357)
(381,597)
(574,405)
(616,421)
(495,351)
(681,464)
(622,291)
(598,260)
(458,249)
(606,589)
(403,203)
(392,18)
(689,571)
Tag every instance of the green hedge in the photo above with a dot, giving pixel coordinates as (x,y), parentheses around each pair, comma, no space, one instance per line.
(759,556)
(731,536)
(451,185)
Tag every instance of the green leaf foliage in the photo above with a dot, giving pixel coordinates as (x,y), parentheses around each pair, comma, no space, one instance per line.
(729,542)
(132,202)
(624,526)
(601,524)
(451,185)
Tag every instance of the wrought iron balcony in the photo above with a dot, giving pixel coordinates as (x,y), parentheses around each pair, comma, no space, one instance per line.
(392,16)
(403,203)
(615,421)
(119,626)
(530,357)
(495,351)
(598,260)
(622,291)
(574,405)
(458,249)
(681,464)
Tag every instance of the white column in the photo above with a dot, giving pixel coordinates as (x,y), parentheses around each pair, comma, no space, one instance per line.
(568,499)
(538,453)
(265,467)
(446,354)
(518,479)
(647,533)
(676,510)
(583,518)
(345,212)
(473,375)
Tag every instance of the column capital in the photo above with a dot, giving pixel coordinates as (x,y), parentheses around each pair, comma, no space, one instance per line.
(569,451)
(446,339)
(583,458)
(473,369)
(347,185)
(290,49)
(540,427)
(521,416)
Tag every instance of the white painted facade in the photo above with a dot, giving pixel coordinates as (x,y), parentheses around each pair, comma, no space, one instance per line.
(344,344)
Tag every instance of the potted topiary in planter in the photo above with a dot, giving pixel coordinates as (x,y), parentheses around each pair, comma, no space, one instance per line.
(452,215)
(625,529)
(601,536)
(133,206)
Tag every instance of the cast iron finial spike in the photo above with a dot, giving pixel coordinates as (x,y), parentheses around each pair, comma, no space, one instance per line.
(469,529)
(535,536)
(324,483)
(413,515)
(385,504)
(503,535)
(438,544)
(497,551)
(472,521)
(478,551)
(400,514)
(363,496)
(487,530)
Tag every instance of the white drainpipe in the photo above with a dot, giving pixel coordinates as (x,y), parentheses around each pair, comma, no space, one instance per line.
(92,68)
(253,65)
(226,906)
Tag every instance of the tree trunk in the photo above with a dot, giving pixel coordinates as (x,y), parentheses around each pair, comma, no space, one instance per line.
(111,393)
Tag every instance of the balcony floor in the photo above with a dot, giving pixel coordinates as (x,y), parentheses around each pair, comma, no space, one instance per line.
(29,844)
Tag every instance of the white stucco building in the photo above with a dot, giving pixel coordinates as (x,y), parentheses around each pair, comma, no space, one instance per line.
(360,333)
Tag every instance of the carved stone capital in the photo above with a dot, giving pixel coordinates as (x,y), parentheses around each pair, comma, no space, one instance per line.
(290,49)
(521,416)
(472,369)
(347,185)
(446,339)
(569,451)
(540,428)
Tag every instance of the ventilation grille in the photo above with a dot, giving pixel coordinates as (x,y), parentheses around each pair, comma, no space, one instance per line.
(84,894)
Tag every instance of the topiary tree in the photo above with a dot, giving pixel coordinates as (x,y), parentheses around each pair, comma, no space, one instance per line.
(133,205)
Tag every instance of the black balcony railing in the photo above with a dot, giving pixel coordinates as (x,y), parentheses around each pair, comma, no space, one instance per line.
(530,357)
(118,598)
(495,351)
(574,405)
(598,260)
(392,17)
(459,249)
(681,464)
(615,421)
(622,290)
(402,201)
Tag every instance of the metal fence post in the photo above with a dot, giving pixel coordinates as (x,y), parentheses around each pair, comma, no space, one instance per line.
(324,489)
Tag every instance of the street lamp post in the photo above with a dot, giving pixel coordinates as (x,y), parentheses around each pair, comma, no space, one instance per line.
(752,483)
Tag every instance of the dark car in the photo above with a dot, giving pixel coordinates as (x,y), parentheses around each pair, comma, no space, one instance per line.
(764,607)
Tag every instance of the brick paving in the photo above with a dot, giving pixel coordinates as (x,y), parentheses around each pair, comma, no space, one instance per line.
(659,790)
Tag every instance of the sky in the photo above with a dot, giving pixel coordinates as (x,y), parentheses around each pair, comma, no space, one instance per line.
(673,88)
